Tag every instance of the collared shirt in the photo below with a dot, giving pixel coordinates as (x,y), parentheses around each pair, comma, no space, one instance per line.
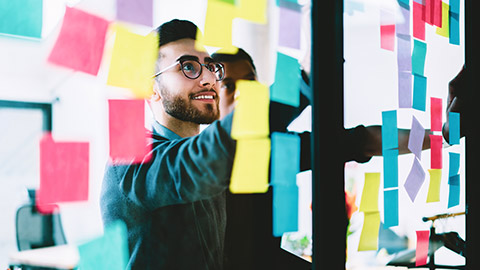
(174,203)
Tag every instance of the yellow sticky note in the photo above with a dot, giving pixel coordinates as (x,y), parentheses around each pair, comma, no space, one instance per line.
(444,30)
(369,202)
(434,187)
(250,167)
(252,10)
(133,61)
(218,26)
(250,119)
(370,230)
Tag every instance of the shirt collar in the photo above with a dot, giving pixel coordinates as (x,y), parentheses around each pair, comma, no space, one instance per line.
(164,132)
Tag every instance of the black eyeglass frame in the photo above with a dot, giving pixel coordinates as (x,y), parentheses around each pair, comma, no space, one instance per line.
(181,61)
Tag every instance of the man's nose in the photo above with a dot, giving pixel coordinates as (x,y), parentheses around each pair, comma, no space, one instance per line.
(207,77)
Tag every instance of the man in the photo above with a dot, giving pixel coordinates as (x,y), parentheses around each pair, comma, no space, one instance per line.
(174,203)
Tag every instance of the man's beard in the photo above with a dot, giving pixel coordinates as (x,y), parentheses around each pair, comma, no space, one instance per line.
(181,109)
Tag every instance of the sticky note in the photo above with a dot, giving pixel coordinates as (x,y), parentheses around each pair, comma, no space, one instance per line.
(404,53)
(389,130)
(285,209)
(454,33)
(286,88)
(369,202)
(390,168)
(404,89)
(350,6)
(218,27)
(434,186)
(436,114)
(64,171)
(419,92)
(133,62)
(252,10)
(387,30)
(250,167)
(285,158)
(289,28)
(436,151)
(109,251)
(455,6)
(428,11)
(437,13)
(454,128)
(418,22)
(21,17)
(250,119)
(127,135)
(416,137)
(418,57)
(370,231)
(454,163)
(454,180)
(415,179)
(444,31)
(404,3)
(421,252)
(81,41)
(454,191)
(390,206)
(135,11)
(403,26)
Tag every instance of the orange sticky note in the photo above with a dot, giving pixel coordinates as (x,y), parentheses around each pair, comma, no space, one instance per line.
(421,253)
(64,171)
(133,61)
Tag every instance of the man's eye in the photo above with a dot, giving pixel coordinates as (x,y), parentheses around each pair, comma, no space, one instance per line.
(188,67)
(230,87)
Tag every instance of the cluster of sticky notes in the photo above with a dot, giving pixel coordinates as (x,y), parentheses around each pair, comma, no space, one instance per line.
(369,206)
(390,167)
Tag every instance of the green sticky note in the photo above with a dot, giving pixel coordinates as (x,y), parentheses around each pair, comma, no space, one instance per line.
(369,202)
(21,17)
(286,88)
(109,251)
(370,230)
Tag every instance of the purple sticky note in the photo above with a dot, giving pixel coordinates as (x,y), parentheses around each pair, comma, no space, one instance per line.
(415,140)
(404,89)
(404,53)
(289,28)
(403,28)
(135,11)
(415,179)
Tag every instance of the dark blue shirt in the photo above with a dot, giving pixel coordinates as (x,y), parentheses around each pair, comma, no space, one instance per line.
(174,204)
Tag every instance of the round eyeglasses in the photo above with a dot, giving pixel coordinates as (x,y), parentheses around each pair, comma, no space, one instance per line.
(192,69)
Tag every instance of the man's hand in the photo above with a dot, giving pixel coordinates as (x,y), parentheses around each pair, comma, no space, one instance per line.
(455,102)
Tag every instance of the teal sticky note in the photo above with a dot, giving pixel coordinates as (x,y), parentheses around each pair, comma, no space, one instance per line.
(285,160)
(454,128)
(21,17)
(454,164)
(454,28)
(390,205)
(418,57)
(109,251)
(286,88)
(454,6)
(390,168)
(389,130)
(454,193)
(454,180)
(285,209)
(419,92)
(404,3)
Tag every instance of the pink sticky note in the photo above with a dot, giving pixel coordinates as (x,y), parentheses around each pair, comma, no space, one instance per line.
(437,13)
(421,253)
(418,21)
(387,39)
(428,11)
(436,114)
(128,137)
(436,151)
(63,173)
(81,41)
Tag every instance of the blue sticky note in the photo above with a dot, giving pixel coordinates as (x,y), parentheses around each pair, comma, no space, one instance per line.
(453,195)
(390,205)
(419,92)
(285,209)
(109,251)
(404,3)
(454,180)
(350,6)
(390,168)
(418,57)
(389,130)
(454,29)
(285,161)
(454,6)
(21,17)
(454,165)
(286,88)
(454,128)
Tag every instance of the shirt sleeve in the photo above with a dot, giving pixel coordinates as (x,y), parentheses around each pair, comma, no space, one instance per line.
(179,171)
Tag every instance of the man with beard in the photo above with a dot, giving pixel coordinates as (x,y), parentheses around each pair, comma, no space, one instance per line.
(173,203)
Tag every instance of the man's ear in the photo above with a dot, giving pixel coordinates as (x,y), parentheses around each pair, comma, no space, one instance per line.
(156,92)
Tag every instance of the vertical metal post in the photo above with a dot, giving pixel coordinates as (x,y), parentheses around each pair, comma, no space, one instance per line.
(329,217)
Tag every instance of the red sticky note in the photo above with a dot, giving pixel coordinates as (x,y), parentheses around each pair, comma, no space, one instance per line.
(437,13)
(418,21)
(128,137)
(421,253)
(436,151)
(64,169)
(81,41)
(387,38)
(428,11)
(436,114)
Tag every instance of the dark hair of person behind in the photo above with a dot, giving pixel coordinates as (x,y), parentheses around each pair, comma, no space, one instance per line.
(175,30)
(240,55)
